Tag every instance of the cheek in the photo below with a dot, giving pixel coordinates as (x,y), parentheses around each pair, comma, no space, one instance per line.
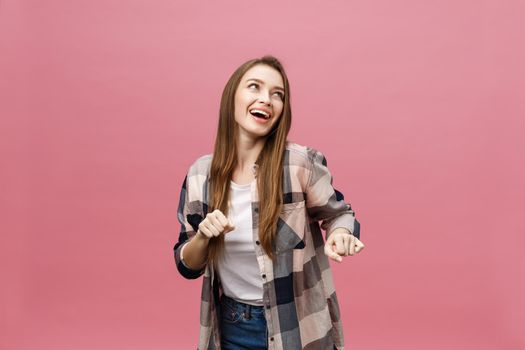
(279,109)
(239,107)
(241,104)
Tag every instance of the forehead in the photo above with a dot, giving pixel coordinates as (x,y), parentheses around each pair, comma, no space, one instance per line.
(267,74)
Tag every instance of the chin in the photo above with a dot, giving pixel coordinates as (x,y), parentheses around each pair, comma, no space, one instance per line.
(258,133)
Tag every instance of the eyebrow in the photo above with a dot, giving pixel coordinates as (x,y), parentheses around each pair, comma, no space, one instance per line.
(262,82)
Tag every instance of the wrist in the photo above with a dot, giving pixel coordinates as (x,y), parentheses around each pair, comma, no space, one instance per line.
(202,237)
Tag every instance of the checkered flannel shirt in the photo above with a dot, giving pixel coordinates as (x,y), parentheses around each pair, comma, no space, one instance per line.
(302,310)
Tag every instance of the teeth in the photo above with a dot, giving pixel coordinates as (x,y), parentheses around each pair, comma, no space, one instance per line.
(266,115)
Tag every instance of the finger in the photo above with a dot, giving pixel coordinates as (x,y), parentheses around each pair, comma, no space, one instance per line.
(352,244)
(204,230)
(359,245)
(214,221)
(226,222)
(230,226)
(221,218)
(330,253)
(339,244)
(347,242)
(208,225)
(220,215)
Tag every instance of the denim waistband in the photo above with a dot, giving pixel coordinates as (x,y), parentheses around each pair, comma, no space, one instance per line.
(242,308)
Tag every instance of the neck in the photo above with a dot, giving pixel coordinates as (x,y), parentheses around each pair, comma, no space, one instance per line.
(247,152)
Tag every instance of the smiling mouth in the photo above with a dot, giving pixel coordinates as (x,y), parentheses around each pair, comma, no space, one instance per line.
(257,113)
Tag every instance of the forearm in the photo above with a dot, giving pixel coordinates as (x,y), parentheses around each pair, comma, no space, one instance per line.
(195,252)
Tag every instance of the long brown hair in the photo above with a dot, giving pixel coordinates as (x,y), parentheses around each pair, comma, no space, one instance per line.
(269,161)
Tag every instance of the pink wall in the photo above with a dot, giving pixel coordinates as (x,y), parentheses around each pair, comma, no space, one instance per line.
(418,106)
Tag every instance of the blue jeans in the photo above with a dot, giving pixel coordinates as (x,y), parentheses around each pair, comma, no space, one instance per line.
(243,326)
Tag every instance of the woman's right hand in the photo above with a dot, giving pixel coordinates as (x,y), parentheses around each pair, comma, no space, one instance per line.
(214,224)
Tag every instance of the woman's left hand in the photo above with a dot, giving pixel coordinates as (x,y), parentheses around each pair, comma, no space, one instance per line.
(342,243)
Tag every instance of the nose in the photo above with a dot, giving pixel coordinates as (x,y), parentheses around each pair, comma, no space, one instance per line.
(265,98)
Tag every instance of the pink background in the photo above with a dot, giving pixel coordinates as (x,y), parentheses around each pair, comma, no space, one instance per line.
(418,106)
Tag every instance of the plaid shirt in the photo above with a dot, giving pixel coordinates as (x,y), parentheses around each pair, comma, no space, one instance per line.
(302,310)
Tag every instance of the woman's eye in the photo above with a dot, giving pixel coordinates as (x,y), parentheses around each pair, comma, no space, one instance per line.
(278,93)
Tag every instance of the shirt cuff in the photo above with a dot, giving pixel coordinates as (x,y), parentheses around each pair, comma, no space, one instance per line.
(182,256)
(346,221)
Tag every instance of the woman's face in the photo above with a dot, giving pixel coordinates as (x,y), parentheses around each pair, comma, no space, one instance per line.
(259,100)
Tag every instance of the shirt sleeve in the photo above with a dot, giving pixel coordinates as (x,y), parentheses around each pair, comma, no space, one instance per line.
(187,232)
(324,202)
(182,255)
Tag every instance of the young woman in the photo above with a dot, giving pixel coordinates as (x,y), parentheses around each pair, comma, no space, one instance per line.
(250,216)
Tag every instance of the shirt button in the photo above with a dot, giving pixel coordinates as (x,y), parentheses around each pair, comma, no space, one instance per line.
(257,242)
(263,275)
(271,338)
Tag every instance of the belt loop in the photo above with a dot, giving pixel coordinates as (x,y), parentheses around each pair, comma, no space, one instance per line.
(248,311)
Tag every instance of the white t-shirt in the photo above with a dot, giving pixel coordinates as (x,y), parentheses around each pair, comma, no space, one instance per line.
(238,269)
